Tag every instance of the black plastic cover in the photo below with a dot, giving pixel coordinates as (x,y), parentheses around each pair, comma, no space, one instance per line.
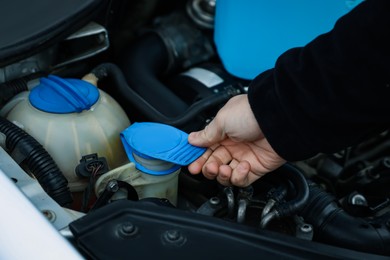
(143,230)
(28,26)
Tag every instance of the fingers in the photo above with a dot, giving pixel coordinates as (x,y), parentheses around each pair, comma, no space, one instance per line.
(218,163)
(210,161)
(211,134)
(235,173)
(196,166)
(242,175)
(224,175)
(240,171)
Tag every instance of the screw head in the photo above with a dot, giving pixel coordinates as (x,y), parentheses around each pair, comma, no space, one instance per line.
(127,229)
(173,237)
(49,214)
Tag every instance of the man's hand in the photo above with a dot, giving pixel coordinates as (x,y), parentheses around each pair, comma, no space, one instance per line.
(238,153)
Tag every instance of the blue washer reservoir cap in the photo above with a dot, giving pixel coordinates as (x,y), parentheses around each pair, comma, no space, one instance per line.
(161,142)
(61,96)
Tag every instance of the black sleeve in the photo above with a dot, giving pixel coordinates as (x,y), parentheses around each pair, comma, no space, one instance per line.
(332,93)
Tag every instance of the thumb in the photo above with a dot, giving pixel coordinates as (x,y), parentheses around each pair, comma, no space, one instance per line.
(211,134)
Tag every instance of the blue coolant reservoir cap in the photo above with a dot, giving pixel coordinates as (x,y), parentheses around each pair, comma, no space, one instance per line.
(61,96)
(157,141)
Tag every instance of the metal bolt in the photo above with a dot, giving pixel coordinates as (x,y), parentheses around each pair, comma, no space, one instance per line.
(215,201)
(306,228)
(127,229)
(358,199)
(173,237)
(50,215)
(112,186)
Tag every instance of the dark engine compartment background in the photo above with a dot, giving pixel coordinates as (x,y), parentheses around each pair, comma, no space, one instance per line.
(332,205)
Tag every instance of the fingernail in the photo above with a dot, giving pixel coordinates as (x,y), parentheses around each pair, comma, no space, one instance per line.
(191,136)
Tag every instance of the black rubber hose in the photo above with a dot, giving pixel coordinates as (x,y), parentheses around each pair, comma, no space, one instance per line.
(38,161)
(114,72)
(334,226)
(11,88)
(144,61)
(301,188)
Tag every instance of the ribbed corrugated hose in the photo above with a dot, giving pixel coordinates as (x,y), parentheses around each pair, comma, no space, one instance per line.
(38,161)
(335,226)
(11,88)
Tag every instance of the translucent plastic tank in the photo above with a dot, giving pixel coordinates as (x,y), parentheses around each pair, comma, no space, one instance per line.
(251,34)
(146,185)
(157,152)
(71,118)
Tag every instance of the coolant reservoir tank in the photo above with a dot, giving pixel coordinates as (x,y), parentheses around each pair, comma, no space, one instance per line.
(72,118)
(157,152)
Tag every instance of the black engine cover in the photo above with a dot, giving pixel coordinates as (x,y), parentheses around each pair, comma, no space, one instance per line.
(29,26)
(143,230)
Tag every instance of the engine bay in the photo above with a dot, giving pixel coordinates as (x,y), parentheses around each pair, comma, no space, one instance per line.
(80,80)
